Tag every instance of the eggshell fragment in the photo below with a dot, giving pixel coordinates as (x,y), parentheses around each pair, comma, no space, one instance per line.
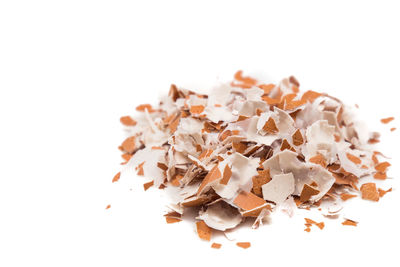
(244,245)
(221,216)
(350,222)
(128,121)
(279,188)
(369,192)
(387,120)
(116,177)
(216,245)
(203,231)
(248,201)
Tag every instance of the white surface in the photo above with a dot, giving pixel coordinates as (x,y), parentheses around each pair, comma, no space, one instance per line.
(70,69)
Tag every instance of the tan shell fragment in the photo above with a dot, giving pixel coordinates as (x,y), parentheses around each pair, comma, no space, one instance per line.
(203,231)
(129,144)
(226,175)
(270,126)
(248,201)
(307,193)
(286,145)
(173,92)
(369,192)
(116,177)
(354,159)
(170,220)
(318,159)
(381,167)
(383,192)
(387,120)
(148,185)
(345,196)
(350,222)
(259,180)
(297,138)
(244,245)
(128,121)
(196,109)
(216,245)
(173,125)
(212,176)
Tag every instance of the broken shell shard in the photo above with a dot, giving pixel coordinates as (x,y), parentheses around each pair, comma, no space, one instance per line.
(249,148)
(248,201)
(221,216)
(279,188)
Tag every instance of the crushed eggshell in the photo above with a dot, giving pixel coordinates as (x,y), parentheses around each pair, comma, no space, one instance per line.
(203,231)
(383,192)
(346,196)
(350,222)
(243,244)
(248,201)
(387,120)
(148,185)
(369,191)
(249,148)
(307,192)
(172,220)
(381,167)
(279,188)
(310,222)
(216,245)
(128,121)
(116,177)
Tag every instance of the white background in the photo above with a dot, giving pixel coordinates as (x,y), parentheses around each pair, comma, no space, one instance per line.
(70,69)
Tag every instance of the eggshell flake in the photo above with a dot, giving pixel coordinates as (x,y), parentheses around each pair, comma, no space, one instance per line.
(279,188)
(212,176)
(216,245)
(307,193)
(203,231)
(369,192)
(128,121)
(387,120)
(349,222)
(116,177)
(248,201)
(243,245)
(129,144)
